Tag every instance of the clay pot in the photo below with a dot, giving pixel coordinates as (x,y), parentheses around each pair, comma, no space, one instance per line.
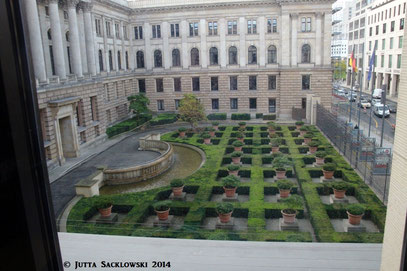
(284,193)
(280,174)
(236,160)
(307,140)
(241,139)
(235,172)
(163,215)
(238,148)
(212,133)
(275,149)
(230,192)
(339,194)
(313,149)
(354,219)
(302,133)
(288,218)
(215,127)
(105,212)
(225,218)
(328,174)
(272,131)
(207,141)
(298,127)
(181,134)
(319,161)
(242,126)
(177,191)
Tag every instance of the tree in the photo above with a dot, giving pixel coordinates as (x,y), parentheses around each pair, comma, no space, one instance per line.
(191,110)
(139,105)
(340,70)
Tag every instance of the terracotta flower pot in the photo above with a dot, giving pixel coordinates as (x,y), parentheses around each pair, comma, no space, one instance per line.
(181,134)
(177,191)
(272,131)
(163,215)
(212,133)
(328,174)
(275,149)
(302,133)
(105,212)
(241,139)
(284,193)
(354,219)
(280,174)
(207,141)
(236,160)
(230,192)
(298,127)
(215,127)
(339,194)
(288,218)
(319,161)
(225,218)
(313,149)
(238,148)
(307,140)
(234,172)
(242,126)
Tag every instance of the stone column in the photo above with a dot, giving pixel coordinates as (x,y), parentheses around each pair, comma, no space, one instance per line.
(37,51)
(294,46)
(90,45)
(57,45)
(204,55)
(184,45)
(318,39)
(392,84)
(74,38)
(326,48)
(148,57)
(242,41)
(222,36)
(123,54)
(167,54)
(82,42)
(285,39)
(262,39)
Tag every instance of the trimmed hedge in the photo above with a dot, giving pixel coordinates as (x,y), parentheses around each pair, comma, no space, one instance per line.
(270,117)
(217,116)
(126,125)
(240,116)
(165,118)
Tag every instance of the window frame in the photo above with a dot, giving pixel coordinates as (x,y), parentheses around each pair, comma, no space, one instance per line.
(306,85)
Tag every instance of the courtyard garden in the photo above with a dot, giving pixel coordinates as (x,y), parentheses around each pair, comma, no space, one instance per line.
(264,175)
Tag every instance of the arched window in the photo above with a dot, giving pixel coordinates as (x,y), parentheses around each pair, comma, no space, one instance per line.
(306,53)
(100,60)
(252,56)
(110,60)
(272,54)
(49,34)
(233,55)
(194,57)
(176,60)
(213,56)
(119,61)
(158,59)
(67,36)
(140,59)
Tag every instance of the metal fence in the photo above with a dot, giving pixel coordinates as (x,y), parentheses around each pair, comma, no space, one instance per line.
(364,154)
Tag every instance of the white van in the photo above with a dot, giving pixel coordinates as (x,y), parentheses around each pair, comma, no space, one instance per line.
(377,93)
(378,110)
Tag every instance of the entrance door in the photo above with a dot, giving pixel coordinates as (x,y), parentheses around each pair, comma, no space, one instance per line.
(67,140)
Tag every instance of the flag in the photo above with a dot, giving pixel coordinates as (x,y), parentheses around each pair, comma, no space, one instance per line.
(352,60)
(371,64)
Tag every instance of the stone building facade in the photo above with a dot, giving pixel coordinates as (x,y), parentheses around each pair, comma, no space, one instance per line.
(246,56)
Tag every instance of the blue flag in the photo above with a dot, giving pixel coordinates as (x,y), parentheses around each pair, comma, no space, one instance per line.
(371,63)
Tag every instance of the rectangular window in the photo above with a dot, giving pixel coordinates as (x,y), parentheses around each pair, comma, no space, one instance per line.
(233,104)
(400,42)
(142,85)
(398,61)
(370,31)
(306,24)
(138,32)
(384,28)
(377,30)
(391,43)
(193,29)
(401,24)
(392,26)
(108,33)
(252,82)
(214,84)
(382,62)
(98,28)
(252,103)
(93,108)
(116,30)
(177,84)
(212,28)
(251,27)
(215,104)
(272,82)
(376,44)
(174,30)
(362,33)
(195,84)
(160,105)
(306,82)
(156,31)
(233,82)
(232,27)
(177,103)
(159,85)
(272,105)
(383,44)
(271,25)
(390,61)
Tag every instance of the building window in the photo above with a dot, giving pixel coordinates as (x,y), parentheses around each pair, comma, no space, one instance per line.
(194,57)
(127,60)
(272,54)
(400,42)
(108,30)
(233,104)
(51,56)
(195,84)
(159,85)
(251,27)
(142,85)
(252,55)
(214,84)
(156,31)
(193,29)
(125,36)
(212,28)
(233,82)
(119,60)
(384,28)
(93,108)
(160,105)
(232,55)
(390,61)
(140,59)
(370,31)
(383,44)
(391,42)
(392,26)
(98,28)
(306,53)
(382,62)
(377,30)
(174,30)
(215,104)
(177,103)
(306,79)
(402,24)
(110,60)
(306,24)
(272,105)
(252,82)
(46,10)
(213,56)
(272,82)
(232,27)
(138,32)
(177,84)
(116,31)
(176,59)
(100,60)
(252,103)
(398,61)
(271,25)
(158,59)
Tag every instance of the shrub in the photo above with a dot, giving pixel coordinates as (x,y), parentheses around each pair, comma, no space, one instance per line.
(237,143)
(127,125)
(281,162)
(217,116)
(329,167)
(259,115)
(309,135)
(211,129)
(163,205)
(165,118)
(314,144)
(237,154)
(284,184)
(289,211)
(273,135)
(299,123)
(356,209)
(233,167)
(224,207)
(240,116)
(271,124)
(304,128)
(239,135)
(269,117)
(340,186)
(215,123)
(102,203)
(206,135)
(230,181)
(177,183)
(320,154)
(182,129)
(276,142)
(242,123)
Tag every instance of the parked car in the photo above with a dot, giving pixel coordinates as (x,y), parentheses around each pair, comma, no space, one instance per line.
(352,97)
(379,109)
(377,93)
(393,108)
(364,103)
(376,101)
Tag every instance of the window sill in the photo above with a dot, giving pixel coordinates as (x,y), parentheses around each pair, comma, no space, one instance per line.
(47,143)
(81,129)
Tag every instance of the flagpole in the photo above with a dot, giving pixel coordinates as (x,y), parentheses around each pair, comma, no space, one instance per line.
(373,60)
